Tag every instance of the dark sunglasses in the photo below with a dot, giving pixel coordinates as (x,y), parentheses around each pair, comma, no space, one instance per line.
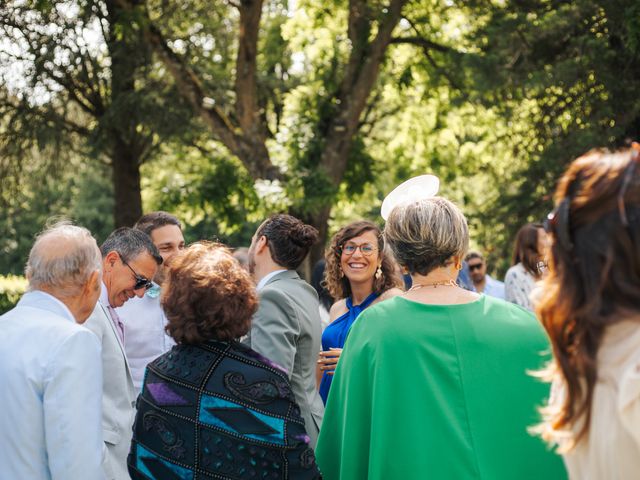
(141,282)
(477,266)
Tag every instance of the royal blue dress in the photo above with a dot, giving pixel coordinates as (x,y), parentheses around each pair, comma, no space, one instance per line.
(336,333)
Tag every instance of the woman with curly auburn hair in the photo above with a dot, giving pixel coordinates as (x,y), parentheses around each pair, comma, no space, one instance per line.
(360,274)
(212,406)
(590,307)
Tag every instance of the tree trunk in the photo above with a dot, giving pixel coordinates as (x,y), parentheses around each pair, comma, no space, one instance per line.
(320,220)
(128,54)
(126,185)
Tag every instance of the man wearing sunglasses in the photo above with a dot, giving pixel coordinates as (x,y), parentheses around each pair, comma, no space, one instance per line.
(483,282)
(143,317)
(129,261)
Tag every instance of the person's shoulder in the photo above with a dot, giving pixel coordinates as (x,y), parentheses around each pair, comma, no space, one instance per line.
(499,307)
(338,309)
(256,361)
(392,292)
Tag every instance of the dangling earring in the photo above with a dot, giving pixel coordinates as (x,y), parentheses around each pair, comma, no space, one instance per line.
(378,272)
(341,274)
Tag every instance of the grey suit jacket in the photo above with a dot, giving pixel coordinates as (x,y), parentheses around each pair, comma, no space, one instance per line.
(118,395)
(286,329)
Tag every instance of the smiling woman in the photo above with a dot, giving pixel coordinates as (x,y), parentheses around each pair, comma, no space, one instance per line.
(358,273)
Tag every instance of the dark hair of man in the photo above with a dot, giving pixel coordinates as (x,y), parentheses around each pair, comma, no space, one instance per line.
(289,239)
(526,250)
(473,254)
(129,243)
(150,221)
(593,279)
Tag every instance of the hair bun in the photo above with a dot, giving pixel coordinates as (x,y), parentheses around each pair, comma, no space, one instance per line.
(303,235)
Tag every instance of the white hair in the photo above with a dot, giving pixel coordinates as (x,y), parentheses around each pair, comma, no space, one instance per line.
(62,259)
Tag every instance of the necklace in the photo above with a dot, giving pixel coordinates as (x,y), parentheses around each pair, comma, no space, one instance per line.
(444,283)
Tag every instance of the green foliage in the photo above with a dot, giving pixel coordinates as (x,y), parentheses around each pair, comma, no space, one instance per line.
(207,190)
(11,289)
(80,192)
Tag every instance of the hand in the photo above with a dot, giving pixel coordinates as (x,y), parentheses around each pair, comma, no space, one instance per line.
(328,360)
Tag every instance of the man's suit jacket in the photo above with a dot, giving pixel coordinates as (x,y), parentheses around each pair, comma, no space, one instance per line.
(286,329)
(118,395)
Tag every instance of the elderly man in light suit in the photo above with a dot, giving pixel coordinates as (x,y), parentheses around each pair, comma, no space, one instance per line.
(286,329)
(129,261)
(50,370)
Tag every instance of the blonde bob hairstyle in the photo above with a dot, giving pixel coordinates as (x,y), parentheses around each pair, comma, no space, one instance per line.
(427,234)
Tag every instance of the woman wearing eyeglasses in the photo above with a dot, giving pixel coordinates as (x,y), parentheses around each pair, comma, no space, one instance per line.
(433,384)
(357,272)
(528,265)
(590,307)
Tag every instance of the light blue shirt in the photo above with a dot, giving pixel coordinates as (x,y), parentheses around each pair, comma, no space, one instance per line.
(493,288)
(144,334)
(50,394)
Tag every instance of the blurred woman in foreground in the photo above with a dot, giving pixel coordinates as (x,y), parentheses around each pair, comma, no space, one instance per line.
(359,274)
(433,384)
(212,406)
(590,307)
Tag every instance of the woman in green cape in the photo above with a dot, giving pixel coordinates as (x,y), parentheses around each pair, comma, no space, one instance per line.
(434,384)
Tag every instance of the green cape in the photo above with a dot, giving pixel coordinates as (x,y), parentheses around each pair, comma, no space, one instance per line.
(438,392)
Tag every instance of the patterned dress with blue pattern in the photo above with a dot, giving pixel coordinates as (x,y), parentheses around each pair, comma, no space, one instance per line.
(218,410)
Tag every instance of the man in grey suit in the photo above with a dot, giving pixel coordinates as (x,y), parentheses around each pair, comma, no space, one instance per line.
(286,328)
(129,261)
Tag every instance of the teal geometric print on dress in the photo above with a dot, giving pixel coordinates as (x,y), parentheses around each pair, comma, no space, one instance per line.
(158,469)
(241,420)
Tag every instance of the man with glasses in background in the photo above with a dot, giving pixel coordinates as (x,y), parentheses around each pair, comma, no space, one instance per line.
(483,282)
(143,317)
(129,261)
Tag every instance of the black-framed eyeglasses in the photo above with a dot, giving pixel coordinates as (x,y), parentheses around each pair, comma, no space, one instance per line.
(476,266)
(141,282)
(366,249)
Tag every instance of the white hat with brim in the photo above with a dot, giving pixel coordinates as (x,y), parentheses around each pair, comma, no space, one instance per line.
(413,190)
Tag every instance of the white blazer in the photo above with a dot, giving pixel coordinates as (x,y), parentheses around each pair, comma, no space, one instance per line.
(118,393)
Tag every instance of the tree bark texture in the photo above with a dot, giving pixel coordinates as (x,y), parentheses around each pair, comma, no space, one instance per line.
(245,136)
(127,146)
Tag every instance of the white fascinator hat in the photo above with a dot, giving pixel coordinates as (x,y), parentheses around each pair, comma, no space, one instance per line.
(414,189)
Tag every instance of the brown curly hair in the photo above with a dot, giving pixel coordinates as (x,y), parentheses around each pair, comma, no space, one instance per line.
(207,295)
(337,284)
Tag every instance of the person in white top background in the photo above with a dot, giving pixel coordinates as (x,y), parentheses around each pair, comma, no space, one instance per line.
(50,368)
(590,307)
(143,317)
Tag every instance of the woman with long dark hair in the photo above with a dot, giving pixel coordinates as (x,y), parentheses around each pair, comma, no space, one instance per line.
(528,257)
(590,307)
